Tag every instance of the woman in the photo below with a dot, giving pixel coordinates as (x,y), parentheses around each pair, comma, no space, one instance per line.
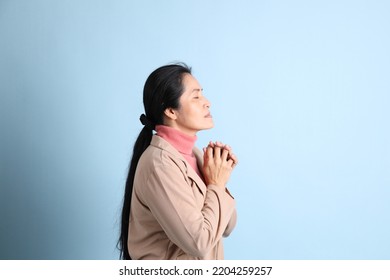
(176,204)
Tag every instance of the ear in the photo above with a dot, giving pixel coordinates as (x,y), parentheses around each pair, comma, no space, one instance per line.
(170,113)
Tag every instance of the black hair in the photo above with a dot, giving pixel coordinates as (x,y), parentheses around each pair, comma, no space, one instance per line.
(163,89)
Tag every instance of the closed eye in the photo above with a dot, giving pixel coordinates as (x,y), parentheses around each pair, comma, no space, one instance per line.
(197,93)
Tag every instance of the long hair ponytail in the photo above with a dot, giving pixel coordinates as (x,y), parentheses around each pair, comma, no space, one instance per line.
(162,90)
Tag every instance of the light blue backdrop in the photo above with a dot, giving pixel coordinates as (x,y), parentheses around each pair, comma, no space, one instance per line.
(299,89)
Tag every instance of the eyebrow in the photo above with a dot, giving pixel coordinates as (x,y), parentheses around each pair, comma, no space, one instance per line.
(197,89)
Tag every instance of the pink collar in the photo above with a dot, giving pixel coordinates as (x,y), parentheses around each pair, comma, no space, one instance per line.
(180,141)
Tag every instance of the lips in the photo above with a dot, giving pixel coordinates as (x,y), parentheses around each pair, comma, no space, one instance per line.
(208,116)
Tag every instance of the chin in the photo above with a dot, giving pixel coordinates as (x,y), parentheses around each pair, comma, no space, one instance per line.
(210,126)
(206,125)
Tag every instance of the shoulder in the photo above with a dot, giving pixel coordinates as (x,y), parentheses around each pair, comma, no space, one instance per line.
(159,155)
(159,164)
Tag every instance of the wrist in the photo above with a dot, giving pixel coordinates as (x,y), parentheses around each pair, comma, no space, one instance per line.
(219,185)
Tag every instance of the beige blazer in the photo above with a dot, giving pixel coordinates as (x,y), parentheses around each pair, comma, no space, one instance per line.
(174,215)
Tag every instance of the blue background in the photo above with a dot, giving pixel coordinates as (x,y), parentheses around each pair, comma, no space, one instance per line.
(299,89)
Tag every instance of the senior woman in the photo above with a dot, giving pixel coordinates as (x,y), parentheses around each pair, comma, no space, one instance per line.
(176,204)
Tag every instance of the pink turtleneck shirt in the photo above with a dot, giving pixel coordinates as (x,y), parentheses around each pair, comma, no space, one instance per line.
(182,142)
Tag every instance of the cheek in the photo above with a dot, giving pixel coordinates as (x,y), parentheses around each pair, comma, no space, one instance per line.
(195,113)
(189,111)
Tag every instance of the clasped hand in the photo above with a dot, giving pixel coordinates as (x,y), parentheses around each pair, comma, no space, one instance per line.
(218,163)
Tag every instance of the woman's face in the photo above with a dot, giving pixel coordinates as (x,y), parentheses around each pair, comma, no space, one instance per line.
(193,113)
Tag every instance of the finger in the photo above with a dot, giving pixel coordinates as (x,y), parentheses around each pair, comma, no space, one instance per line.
(219,144)
(234,158)
(225,154)
(231,155)
(227,147)
(206,155)
(230,163)
(217,152)
(209,152)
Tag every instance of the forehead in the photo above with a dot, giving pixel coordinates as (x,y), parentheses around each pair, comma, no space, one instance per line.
(190,83)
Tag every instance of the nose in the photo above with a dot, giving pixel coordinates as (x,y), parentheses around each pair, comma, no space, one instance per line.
(207,103)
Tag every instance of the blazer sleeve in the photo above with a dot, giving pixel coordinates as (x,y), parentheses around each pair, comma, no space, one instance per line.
(231,225)
(172,202)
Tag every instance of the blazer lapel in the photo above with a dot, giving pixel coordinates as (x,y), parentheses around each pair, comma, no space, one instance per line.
(193,175)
